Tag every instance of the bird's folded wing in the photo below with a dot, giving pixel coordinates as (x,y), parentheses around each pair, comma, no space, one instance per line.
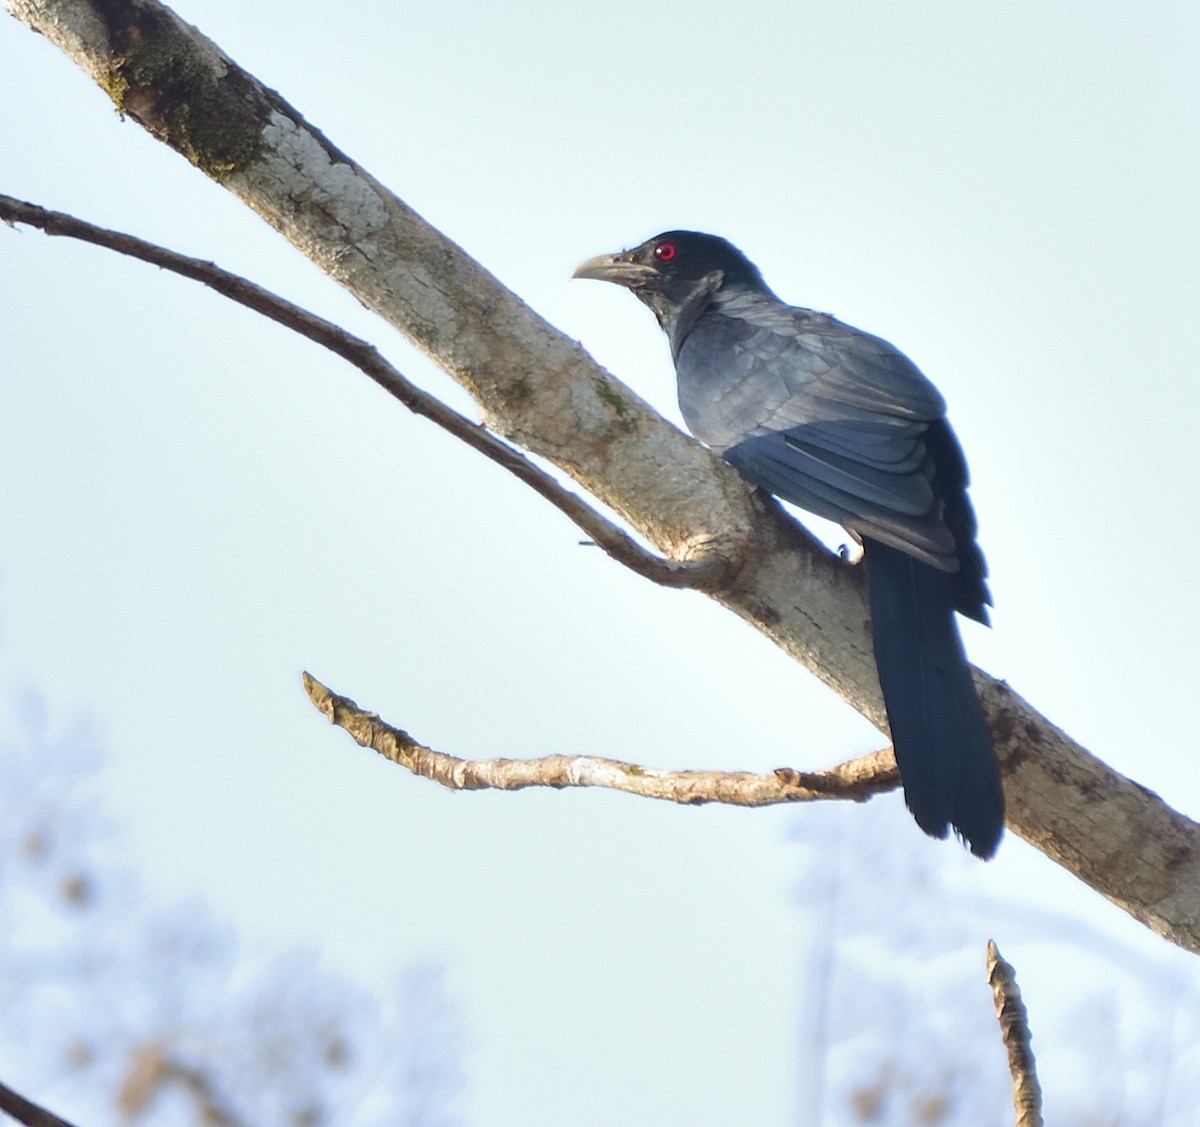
(828,418)
(897,508)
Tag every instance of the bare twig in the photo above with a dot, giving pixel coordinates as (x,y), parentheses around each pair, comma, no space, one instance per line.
(1014,1030)
(26,1111)
(704,572)
(856,779)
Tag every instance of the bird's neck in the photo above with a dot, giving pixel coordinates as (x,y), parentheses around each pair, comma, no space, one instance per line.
(710,297)
(678,315)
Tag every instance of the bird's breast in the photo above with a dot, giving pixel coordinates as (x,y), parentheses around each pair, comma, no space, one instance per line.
(730,382)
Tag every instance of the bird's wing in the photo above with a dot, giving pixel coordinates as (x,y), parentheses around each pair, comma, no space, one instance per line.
(822,415)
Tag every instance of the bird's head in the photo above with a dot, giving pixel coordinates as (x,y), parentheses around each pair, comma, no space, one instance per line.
(676,274)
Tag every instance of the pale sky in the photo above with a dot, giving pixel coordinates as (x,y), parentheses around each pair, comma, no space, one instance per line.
(197,506)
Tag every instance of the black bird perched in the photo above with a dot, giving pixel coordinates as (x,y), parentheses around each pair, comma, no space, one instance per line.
(841,423)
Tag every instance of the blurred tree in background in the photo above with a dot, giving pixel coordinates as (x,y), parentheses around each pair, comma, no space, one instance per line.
(122,1010)
(895,1026)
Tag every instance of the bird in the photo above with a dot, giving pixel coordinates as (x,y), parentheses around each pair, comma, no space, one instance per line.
(842,424)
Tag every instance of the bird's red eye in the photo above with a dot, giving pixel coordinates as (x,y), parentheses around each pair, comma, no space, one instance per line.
(666,252)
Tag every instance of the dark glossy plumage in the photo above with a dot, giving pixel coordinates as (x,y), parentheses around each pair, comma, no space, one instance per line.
(842,424)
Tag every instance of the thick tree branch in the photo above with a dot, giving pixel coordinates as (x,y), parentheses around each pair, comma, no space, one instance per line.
(536,387)
(857,779)
(1014,1031)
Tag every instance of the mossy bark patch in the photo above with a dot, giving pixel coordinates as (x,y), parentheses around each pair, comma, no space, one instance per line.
(182,90)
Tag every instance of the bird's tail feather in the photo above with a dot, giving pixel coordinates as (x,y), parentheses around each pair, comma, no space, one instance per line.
(943,746)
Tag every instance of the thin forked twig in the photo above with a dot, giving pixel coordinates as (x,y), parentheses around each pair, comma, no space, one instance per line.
(702,573)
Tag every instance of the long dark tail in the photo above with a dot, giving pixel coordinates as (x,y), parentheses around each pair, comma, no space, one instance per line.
(943,746)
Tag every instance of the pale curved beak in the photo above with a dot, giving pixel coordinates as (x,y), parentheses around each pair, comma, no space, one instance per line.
(616,268)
